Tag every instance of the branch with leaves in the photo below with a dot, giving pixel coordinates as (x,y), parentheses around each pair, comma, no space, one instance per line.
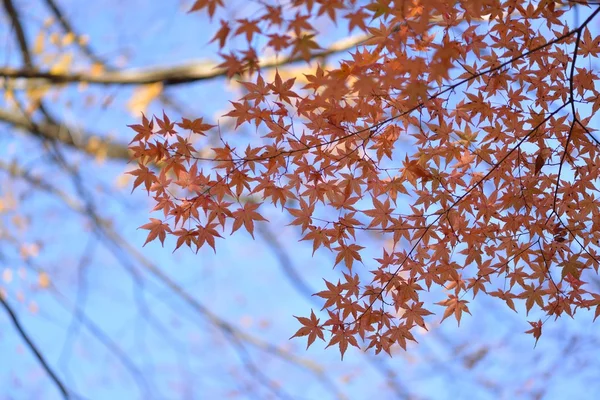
(483,182)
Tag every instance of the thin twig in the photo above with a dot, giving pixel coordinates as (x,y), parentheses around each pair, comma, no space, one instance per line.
(38,355)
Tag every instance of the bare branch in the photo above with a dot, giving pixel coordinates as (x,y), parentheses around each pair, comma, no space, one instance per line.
(38,355)
(19,32)
(228,329)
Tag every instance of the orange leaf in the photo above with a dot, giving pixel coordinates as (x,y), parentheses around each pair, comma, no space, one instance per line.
(246,216)
(310,328)
(536,330)
(157,229)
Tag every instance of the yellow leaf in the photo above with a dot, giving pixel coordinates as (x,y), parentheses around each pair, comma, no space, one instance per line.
(96,69)
(38,45)
(29,250)
(142,97)
(9,96)
(63,64)
(68,39)
(43,280)
(123,181)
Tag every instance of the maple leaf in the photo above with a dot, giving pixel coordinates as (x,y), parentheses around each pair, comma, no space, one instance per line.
(539,163)
(333,295)
(318,236)
(595,302)
(379,8)
(413,315)
(303,214)
(143,175)
(571,267)
(454,306)
(304,45)
(165,125)
(356,19)
(248,27)
(184,236)
(497,179)
(210,5)
(158,229)
(222,34)
(310,328)
(348,253)
(207,234)
(241,112)
(506,296)
(412,170)
(197,126)
(536,330)
(278,42)
(246,216)
(465,160)
(380,214)
(532,295)
(231,64)
(351,285)
(282,89)
(144,131)
(343,338)
(256,91)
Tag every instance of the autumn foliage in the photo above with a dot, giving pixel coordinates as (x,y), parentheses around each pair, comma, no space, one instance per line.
(459,131)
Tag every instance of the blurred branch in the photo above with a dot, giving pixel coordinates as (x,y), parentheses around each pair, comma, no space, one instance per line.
(209,315)
(67,27)
(168,76)
(286,264)
(91,54)
(22,41)
(230,330)
(17,172)
(19,32)
(50,129)
(88,142)
(298,282)
(15,321)
(106,341)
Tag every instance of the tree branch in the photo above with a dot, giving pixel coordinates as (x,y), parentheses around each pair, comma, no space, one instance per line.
(90,143)
(67,27)
(168,76)
(15,321)
(228,329)
(19,32)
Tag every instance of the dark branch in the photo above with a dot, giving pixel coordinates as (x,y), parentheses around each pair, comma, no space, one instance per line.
(13,317)
(19,32)
(66,25)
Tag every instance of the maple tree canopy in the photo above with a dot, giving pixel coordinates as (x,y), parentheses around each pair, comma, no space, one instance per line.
(458,130)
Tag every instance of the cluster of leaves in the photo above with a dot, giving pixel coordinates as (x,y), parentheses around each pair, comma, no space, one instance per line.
(495,192)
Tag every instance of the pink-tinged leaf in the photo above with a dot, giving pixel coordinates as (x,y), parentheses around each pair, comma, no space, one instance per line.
(310,328)
(157,229)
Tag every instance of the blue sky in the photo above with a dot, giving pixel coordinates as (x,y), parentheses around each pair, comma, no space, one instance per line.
(134,334)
